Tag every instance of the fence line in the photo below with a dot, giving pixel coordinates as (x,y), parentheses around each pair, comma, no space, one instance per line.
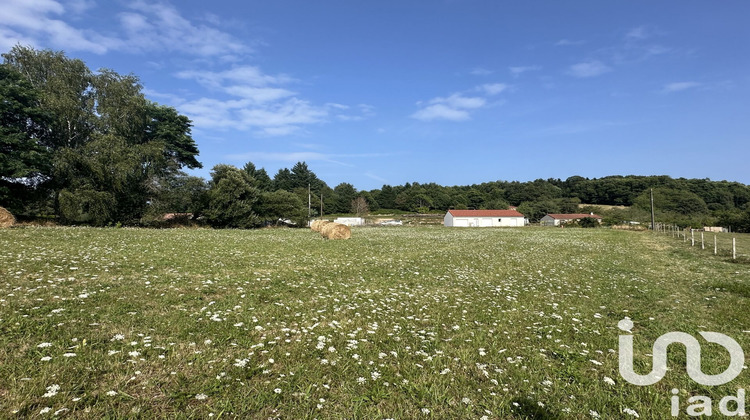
(682,233)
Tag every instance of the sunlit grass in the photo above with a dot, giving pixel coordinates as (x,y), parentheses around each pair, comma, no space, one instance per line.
(394,323)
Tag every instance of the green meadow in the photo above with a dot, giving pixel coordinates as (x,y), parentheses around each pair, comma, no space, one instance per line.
(397,322)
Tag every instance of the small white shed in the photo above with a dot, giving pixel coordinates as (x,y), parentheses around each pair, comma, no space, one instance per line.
(483,218)
(350,221)
(556,219)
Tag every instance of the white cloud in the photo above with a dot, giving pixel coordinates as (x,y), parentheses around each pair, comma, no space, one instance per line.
(493,88)
(588,69)
(679,86)
(146,27)
(519,70)
(261,106)
(441,112)
(638,33)
(160,26)
(290,112)
(250,75)
(567,43)
(453,108)
(459,101)
(34,22)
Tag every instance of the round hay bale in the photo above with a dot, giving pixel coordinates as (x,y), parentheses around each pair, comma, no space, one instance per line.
(317,224)
(339,231)
(325,228)
(6,218)
(322,226)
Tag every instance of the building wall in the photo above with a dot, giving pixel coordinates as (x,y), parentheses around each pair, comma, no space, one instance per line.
(350,221)
(449,220)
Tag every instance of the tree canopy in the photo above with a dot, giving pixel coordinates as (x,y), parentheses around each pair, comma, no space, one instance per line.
(96,144)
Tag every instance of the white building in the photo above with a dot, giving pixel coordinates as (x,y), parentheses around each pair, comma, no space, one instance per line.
(554,219)
(350,221)
(483,218)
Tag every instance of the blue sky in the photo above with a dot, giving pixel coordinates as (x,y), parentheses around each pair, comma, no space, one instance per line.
(453,92)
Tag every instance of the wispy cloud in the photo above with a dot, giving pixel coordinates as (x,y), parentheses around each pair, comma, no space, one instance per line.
(567,43)
(358,113)
(259,102)
(37,22)
(679,86)
(160,26)
(458,106)
(479,71)
(344,159)
(519,70)
(247,82)
(492,89)
(376,177)
(587,69)
(638,45)
(142,27)
(453,108)
(638,33)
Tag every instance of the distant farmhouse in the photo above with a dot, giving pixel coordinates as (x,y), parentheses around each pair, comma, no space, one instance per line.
(350,221)
(561,219)
(483,218)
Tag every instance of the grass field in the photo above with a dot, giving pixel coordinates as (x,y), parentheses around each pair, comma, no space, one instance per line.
(398,322)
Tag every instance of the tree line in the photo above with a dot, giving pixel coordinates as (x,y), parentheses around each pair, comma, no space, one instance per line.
(87,147)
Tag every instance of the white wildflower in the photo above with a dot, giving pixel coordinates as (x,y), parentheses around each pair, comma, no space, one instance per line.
(631,412)
(51,391)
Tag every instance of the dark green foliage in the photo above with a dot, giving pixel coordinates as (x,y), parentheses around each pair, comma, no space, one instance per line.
(24,159)
(232,199)
(180,193)
(344,194)
(588,222)
(673,200)
(282,205)
(262,180)
(106,153)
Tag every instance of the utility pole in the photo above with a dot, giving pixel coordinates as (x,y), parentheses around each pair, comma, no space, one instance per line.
(653,220)
(309,212)
(321,205)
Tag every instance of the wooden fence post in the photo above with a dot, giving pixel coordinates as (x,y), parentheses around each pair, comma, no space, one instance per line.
(734,249)
(692,237)
(702,244)
(715,244)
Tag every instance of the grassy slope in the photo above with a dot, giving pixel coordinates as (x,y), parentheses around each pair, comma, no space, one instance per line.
(507,323)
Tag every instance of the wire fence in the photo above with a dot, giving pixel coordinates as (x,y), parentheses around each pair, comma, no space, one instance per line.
(724,244)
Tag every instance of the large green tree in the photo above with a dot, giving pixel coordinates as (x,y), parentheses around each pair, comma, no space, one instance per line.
(24,156)
(112,150)
(282,205)
(232,199)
